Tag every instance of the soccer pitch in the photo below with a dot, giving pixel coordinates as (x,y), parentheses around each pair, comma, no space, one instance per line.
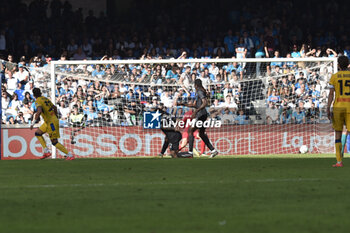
(294,193)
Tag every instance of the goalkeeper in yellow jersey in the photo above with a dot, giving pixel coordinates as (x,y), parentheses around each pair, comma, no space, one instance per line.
(340,93)
(48,111)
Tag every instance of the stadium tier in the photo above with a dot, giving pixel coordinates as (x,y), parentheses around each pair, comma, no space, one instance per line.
(264,106)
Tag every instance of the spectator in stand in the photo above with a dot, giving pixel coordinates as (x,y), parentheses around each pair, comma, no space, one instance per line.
(86,47)
(11,120)
(286,95)
(205,80)
(249,44)
(228,117)
(241,119)
(29,87)
(14,105)
(276,72)
(289,64)
(10,65)
(272,114)
(314,93)
(285,83)
(312,114)
(216,107)
(347,50)
(285,114)
(63,110)
(185,78)
(238,69)
(269,43)
(219,50)
(241,51)
(295,53)
(20,118)
(166,99)
(28,98)
(229,103)
(79,54)
(273,85)
(27,112)
(301,80)
(172,74)
(308,102)
(5,102)
(88,104)
(22,75)
(19,91)
(302,93)
(331,53)
(213,70)
(274,97)
(98,72)
(276,63)
(65,91)
(11,82)
(132,112)
(298,116)
(72,47)
(230,42)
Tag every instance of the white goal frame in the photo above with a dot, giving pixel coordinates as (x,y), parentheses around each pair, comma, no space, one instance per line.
(164,61)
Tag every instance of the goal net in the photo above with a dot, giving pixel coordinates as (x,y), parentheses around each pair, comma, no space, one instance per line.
(265,106)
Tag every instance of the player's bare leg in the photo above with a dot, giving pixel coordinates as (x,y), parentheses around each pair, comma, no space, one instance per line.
(59,146)
(173,154)
(183,144)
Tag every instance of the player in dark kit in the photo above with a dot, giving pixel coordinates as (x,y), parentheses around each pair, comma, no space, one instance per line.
(173,137)
(200,114)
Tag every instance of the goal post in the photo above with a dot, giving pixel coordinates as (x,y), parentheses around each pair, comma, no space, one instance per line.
(249,90)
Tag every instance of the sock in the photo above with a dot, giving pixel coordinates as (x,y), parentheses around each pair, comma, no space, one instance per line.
(164,147)
(343,142)
(202,147)
(338,147)
(206,140)
(190,143)
(61,148)
(42,141)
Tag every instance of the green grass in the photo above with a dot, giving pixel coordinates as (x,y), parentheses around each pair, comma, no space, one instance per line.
(256,194)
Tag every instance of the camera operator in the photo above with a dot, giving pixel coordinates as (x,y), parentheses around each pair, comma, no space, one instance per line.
(132,112)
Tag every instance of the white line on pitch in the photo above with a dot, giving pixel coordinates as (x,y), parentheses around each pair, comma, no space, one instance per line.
(269,180)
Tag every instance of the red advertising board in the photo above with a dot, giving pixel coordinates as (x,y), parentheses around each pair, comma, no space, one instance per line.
(20,143)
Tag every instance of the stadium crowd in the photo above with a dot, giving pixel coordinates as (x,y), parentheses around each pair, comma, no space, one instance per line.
(118,94)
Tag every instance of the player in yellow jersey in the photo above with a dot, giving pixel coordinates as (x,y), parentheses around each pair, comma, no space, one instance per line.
(340,93)
(48,111)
